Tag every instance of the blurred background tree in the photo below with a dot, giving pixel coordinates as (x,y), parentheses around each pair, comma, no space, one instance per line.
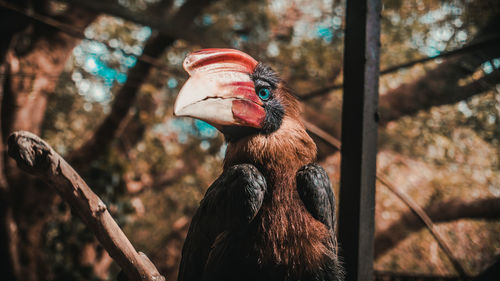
(97,80)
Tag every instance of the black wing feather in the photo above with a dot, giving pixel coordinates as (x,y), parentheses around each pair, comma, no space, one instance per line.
(229,205)
(316,192)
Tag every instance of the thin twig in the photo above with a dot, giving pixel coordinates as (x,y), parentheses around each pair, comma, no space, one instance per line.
(36,157)
(465,49)
(446,211)
(331,140)
(417,210)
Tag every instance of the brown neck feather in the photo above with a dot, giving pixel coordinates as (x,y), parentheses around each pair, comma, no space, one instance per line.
(286,233)
(280,152)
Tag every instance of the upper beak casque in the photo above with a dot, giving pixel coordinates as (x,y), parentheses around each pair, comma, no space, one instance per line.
(220,90)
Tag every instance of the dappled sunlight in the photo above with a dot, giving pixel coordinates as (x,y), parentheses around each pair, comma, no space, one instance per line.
(99,85)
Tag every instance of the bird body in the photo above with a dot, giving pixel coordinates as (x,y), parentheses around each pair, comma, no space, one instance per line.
(271,214)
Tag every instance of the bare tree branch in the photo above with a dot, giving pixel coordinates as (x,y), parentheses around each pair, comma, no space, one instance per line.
(440,85)
(123,101)
(150,18)
(36,157)
(125,98)
(72,30)
(473,47)
(168,28)
(319,92)
(450,210)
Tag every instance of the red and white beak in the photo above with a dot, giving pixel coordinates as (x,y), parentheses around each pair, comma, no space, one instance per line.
(220,90)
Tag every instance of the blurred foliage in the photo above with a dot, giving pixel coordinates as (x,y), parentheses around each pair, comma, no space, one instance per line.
(453,150)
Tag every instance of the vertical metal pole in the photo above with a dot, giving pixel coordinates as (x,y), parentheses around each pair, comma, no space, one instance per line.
(359,137)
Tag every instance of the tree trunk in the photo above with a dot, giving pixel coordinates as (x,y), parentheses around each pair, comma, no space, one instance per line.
(24,98)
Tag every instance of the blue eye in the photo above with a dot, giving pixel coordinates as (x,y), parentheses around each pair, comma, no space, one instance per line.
(264,93)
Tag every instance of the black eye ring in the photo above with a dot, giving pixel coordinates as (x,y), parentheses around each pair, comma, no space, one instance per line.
(264,94)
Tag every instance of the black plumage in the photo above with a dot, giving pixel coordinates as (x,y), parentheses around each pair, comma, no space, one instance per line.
(225,212)
(264,77)
(215,248)
(315,190)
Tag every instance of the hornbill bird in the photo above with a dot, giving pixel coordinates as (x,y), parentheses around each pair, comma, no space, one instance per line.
(271,213)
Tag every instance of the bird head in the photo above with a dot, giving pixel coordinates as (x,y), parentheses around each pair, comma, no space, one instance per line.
(249,104)
(233,92)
